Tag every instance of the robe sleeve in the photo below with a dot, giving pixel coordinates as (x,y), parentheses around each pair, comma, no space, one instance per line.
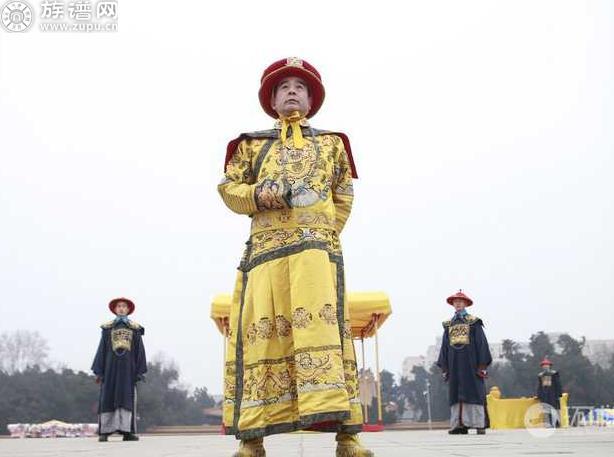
(141,359)
(483,356)
(343,189)
(98,365)
(557,385)
(237,189)
(442,361)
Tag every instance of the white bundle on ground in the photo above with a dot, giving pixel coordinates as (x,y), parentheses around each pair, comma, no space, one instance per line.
(52,429)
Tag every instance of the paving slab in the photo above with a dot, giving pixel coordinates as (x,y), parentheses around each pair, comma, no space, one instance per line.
(585,442)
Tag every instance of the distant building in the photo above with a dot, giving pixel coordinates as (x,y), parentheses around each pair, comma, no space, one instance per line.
(599,351)
(410,362)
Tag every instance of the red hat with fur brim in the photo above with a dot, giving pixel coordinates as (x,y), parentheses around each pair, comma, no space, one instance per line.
(285,68)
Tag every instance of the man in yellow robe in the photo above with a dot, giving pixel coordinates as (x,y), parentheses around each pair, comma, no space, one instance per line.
(291,363)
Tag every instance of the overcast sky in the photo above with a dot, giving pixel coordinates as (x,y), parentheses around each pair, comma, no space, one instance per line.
(482,133)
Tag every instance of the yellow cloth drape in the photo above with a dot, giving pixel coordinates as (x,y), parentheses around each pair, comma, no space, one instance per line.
(511,412)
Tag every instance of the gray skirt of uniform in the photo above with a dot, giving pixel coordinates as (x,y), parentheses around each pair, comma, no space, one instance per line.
(468,415)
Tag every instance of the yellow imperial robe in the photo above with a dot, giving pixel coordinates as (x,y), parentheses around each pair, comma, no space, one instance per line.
(290,363)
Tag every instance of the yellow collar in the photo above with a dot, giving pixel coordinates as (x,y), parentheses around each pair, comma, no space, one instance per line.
(296,120)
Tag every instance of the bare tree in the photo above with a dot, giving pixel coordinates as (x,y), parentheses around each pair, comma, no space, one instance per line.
(21,349)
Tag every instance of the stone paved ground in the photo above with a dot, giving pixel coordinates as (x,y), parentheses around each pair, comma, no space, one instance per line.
(589,442)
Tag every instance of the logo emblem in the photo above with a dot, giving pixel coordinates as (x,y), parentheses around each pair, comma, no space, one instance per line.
(540,420)
(16,16)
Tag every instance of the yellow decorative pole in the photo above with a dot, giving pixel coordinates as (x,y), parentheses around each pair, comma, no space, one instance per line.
(379,386)
(365,405)
(226,325)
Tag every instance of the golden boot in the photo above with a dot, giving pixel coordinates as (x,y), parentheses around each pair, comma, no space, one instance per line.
(348,445)
(250,448)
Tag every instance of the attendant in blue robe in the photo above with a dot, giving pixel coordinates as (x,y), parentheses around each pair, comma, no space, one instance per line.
(463,359)
(119,363)
(549,392)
